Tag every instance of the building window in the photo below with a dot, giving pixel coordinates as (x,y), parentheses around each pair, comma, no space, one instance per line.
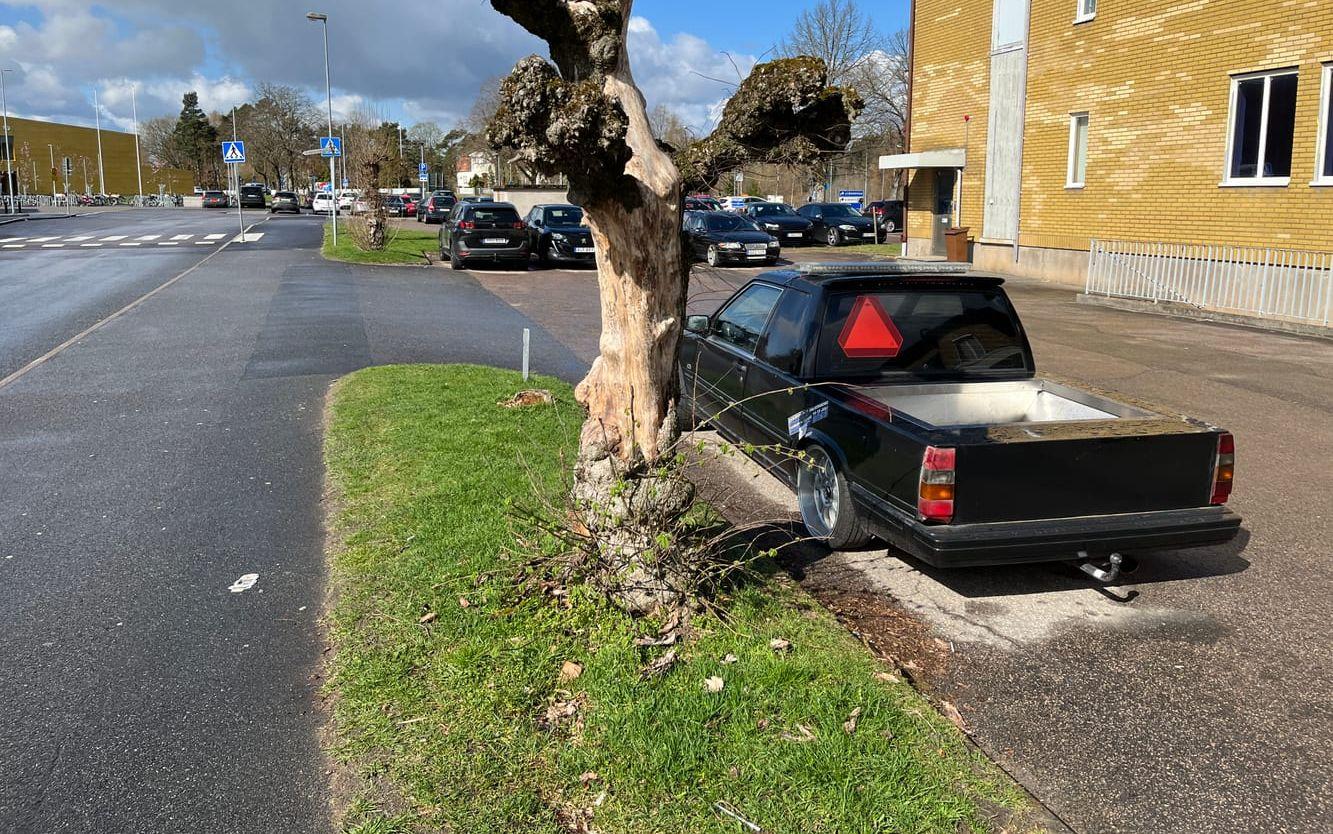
(1087,10)
(1324,159)
(1078,150)
(1009,25)
(1263,124)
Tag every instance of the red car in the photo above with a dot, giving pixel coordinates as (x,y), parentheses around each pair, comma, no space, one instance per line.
(409,205)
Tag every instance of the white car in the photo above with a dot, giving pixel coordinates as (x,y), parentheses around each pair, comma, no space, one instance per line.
(347,200)
(323,203)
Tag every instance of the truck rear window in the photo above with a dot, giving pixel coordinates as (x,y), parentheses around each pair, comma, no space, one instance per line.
(947,333)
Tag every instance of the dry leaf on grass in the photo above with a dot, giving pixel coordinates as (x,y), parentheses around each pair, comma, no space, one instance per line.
(729,659)
(588,778)
(714,684)
(672,623)
(463,603)
(428,617)
(777,644)
(951,712)
(803,733)
(668,640)
(887,677)
(660,666)
(849,726)
(569,670)
(526,399)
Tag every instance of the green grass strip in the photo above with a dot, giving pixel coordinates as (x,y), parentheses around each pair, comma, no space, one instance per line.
(423,466)
(404,246)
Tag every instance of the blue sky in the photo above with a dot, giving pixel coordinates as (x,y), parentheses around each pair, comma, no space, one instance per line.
(61,50)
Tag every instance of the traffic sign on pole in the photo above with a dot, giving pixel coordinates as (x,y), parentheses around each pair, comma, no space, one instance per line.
(423,172)
(233,153)
(330,146)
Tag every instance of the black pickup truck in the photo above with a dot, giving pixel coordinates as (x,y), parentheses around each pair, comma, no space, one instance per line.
(901,402)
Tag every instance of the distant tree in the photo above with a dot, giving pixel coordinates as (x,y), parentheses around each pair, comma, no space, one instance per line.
(195,140)
(157,141)
(668,127)
(838,33)
(283,126)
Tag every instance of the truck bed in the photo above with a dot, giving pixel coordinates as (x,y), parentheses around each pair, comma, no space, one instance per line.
(975,404)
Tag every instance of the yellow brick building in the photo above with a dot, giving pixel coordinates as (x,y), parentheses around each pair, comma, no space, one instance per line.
(36,144)
(1165,121)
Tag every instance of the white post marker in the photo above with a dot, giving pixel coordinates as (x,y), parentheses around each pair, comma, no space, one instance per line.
(527,339)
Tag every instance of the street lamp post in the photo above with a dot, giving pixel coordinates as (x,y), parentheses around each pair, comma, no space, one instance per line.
(138,163)
(328,87)
(9,148)
(52,149)
(101,169)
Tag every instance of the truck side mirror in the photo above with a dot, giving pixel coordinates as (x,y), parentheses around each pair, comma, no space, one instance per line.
(697,324)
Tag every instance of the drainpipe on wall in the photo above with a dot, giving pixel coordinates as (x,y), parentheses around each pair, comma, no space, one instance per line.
(1022,134)
(907,119)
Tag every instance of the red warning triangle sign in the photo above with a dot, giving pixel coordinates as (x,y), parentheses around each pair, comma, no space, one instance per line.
(869,332)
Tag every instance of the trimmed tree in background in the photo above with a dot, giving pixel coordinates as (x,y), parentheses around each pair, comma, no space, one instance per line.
(583,116)
(195,140)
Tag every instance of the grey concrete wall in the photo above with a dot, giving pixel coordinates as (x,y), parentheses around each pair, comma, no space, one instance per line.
(525,198)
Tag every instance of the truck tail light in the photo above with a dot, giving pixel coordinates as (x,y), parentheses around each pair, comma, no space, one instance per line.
(935,495)
(1224,468)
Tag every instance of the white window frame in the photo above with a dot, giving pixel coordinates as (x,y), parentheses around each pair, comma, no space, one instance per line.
(1324,146)
(1082,14)
(1070,182)
(1268,75)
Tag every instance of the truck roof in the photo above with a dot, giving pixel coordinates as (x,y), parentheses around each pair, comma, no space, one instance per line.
(938,272)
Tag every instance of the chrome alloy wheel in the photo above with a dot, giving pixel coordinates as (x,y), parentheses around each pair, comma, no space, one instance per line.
(817,492)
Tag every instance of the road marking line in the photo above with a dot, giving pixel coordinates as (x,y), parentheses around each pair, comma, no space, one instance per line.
(148,237)
(53,245)
(248,237)
(167,243)
(181,237)
(89,245)
(115,237)
(79,238)
(43,239)
(15,245)
(214,237)
(132,244)
(93,328)
(205,242)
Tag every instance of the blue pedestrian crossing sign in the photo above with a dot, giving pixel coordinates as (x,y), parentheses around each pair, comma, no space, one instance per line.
(330,146)
(233,153)
(423,172)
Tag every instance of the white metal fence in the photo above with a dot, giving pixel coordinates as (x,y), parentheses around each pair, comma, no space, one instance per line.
(1288,284)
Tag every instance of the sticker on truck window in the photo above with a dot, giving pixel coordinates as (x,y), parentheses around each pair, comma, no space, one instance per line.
(798,425)
(869,332)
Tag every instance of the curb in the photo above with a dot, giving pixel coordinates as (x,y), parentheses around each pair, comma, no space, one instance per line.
(1184,311)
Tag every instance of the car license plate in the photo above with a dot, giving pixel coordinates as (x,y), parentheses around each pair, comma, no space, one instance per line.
(867,234)
(757,248)
(584,250)
(794,234)
(497,241)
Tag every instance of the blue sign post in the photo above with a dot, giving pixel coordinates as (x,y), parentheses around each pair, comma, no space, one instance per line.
(423,172)
(852,198)
(330,146)
(233,153)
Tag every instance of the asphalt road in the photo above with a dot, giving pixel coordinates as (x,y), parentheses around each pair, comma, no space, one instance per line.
(1194,696)
(147,468)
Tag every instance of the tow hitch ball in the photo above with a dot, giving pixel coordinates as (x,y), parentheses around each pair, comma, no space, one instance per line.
(1107,570)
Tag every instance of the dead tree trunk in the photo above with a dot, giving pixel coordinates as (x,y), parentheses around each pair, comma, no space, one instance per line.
(589,121)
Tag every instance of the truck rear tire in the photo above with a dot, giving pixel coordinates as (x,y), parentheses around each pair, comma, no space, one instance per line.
(825,499)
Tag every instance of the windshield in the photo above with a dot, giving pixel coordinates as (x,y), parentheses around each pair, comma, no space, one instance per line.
(773,210)
(840,210)
(493,214)
(728,223)
(928,333)
(212,193)
(570,216)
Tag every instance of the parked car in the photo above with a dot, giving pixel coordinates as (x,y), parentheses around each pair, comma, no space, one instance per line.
(347,201)
(393,206)
(285,201)
(323,203)
(838,223)
(557,233)
(435,210)
(702,202)
(782,222)
(477,198)
(740,204)
(409,205)
(485,231)
(887,214)
(902,401)
(216,199)
(722,237)
(252,196)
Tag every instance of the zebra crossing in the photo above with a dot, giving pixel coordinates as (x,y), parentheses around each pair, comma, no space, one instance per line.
(126,241)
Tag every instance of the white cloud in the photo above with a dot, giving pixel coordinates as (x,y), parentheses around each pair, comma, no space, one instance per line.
(685,73)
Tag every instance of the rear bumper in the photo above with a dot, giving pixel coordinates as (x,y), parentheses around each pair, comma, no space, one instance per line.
(493,253)
(1052,540)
